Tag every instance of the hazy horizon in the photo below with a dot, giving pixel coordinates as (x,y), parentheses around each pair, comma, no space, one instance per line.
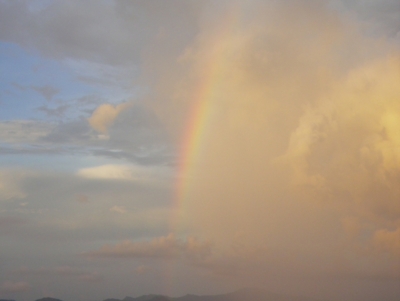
(182,146)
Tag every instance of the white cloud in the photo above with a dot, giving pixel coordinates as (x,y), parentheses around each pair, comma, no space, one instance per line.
(118,209)
(108,172)
(121,172)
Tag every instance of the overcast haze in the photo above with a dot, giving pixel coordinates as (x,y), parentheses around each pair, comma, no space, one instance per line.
(179,147)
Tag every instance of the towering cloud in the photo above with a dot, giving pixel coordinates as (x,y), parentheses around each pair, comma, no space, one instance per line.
(297,144)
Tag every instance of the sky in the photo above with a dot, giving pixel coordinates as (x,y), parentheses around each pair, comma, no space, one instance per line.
(195,146)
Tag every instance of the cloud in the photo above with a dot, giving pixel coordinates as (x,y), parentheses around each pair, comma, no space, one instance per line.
(56,29)
(82,198)
(380,17)
(58,111)
(118,209)
(10,185)
(61,271)
(110,172)
(23,131)
(15,287)
(297,175)
(103,117)
(300,136)
(388,241)
(165,247)
(142,269)
(136,173)
(93,277)
(48,92)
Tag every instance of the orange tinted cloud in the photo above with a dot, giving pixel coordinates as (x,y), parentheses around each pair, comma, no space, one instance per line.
(103,117)
(302,151)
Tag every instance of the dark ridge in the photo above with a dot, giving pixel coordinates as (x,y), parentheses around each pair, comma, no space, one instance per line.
(48,299)
(143,298)
(246,294)
(150,297)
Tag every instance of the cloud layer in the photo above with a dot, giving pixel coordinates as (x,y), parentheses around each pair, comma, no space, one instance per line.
(294,185)
(168,247)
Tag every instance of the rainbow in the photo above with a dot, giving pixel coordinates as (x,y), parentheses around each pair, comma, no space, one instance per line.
(199,121)
(200,116)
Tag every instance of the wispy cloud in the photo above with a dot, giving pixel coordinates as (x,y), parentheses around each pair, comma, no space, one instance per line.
(15,287)
(60,271)
(166,247)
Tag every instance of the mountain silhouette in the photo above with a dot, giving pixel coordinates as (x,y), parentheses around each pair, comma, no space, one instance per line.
(247,294)
(48,299)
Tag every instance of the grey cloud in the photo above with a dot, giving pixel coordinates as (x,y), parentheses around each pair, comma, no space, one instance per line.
(382,16)
(54,213)
(112,32)
(23,131)
(103,75)
(82,198)
(60,271)
(48,92)
(76,132)
(138,130)
(11,223)
(136,135)
(143,143)
(20,87)
(15,287)
(58,111)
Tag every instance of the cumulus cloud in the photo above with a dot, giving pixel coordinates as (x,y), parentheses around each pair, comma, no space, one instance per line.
(15,287)
(103,117)
(165,247)
(299,147)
